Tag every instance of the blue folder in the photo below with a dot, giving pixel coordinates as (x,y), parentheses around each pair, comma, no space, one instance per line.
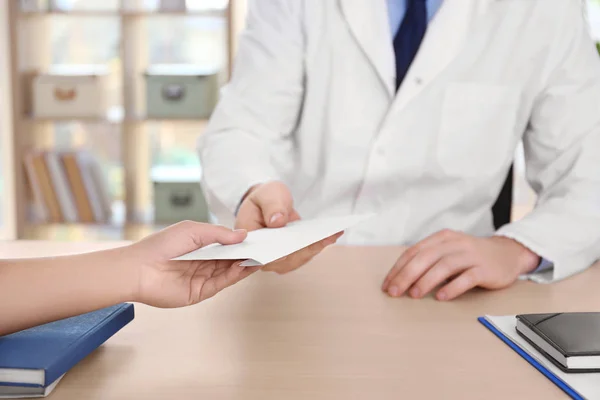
(54,348)
(547,373)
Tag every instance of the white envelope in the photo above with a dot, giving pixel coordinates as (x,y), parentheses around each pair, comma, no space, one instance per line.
(266,245)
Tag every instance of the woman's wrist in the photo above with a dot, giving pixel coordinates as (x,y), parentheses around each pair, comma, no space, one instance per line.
(37,291)
(118,270)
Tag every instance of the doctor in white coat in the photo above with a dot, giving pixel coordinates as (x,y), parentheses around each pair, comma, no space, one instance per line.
(313,124)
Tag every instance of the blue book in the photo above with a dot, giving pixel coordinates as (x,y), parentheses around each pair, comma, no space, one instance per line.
(31,361)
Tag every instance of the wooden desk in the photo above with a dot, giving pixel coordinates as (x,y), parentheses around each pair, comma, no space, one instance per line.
(324,332)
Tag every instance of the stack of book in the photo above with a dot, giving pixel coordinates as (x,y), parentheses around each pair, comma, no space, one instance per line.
(33,361)
(565,347)
(67,187)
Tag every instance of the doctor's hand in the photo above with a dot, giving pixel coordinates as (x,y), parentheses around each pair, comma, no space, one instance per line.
(458,262)
(271,205)
(161,282)
(267,205)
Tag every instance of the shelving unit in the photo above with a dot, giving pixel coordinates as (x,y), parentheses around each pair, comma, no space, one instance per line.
(124,13)
(134,136)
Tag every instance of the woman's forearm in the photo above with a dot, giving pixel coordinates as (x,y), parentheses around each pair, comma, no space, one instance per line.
(36,291)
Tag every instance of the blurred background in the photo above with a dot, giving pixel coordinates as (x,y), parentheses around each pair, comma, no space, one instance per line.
(99,113)
(105,97)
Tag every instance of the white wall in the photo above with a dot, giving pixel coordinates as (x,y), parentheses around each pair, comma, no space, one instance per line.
(594,18)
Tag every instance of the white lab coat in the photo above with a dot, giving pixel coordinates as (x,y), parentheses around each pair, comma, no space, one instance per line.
(312,103)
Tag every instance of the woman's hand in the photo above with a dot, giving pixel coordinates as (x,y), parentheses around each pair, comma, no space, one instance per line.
(164,283)
(38,290)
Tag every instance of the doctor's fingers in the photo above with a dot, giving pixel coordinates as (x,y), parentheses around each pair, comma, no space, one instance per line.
(432,240)
(466,281)
(300,257)
(294,216)
(276,205)
(249,217)
(417,266)
(446,268)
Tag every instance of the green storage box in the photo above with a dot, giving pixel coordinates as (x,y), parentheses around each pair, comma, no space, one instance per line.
(178,195)
(181,91)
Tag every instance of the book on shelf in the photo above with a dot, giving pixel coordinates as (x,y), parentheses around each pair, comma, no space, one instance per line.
(82,202)
(101,185)
(85,166)
(67,187)
(35,188)
(60,184)
(49,197)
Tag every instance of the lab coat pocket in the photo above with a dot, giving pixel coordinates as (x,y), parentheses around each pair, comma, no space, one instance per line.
(477,131)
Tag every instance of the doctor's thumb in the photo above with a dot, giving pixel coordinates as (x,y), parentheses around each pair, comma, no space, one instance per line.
(277,218)
(275,213)
(275,203)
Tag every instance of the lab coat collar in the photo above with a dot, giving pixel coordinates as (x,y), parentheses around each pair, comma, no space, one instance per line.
(445,37)
(369,24)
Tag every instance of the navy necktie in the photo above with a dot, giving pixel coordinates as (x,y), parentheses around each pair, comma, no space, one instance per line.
(409,37)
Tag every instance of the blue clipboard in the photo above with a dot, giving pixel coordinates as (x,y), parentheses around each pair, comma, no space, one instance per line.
(547,373)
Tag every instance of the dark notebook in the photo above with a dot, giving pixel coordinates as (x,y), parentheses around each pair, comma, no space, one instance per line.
(571,341)
(31,361)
